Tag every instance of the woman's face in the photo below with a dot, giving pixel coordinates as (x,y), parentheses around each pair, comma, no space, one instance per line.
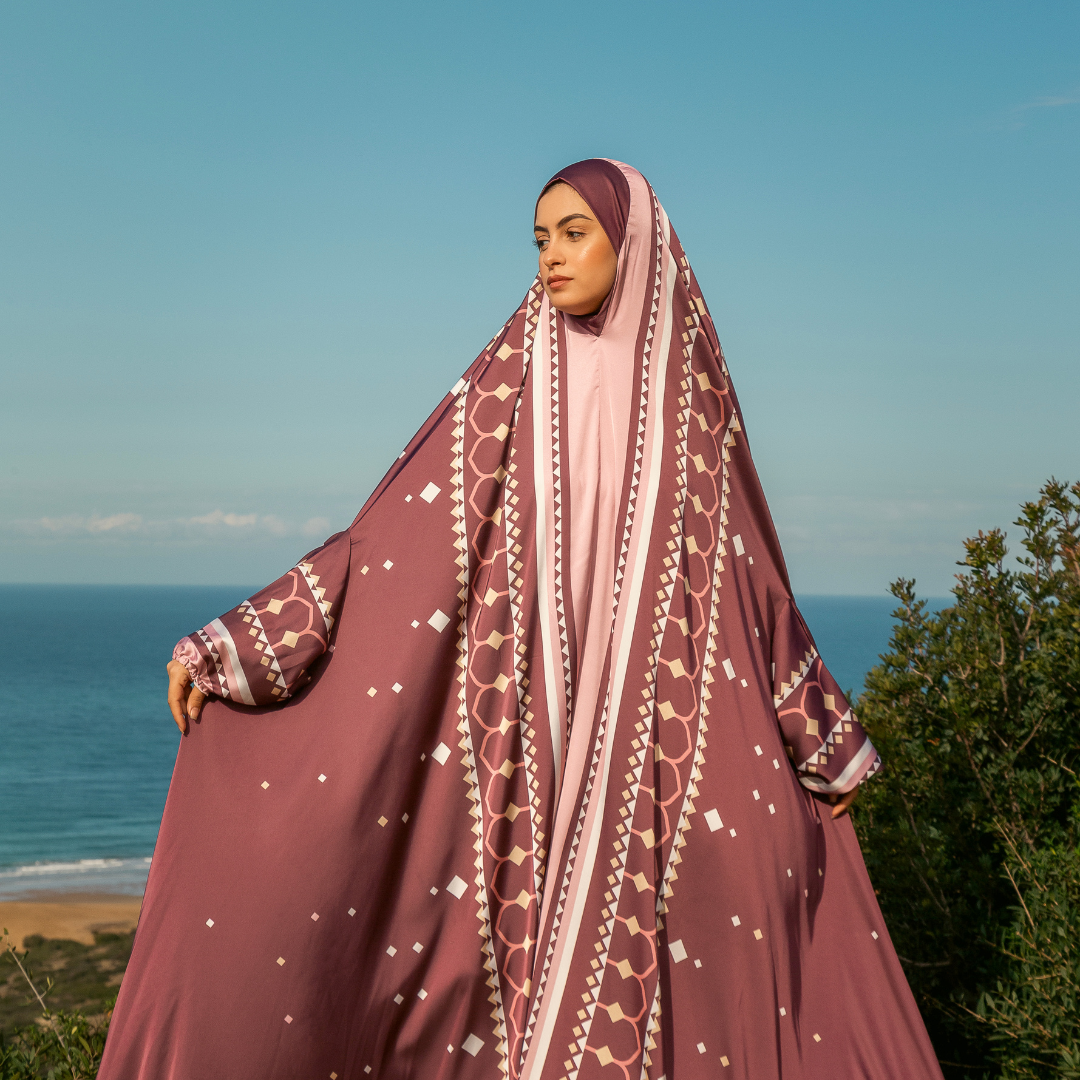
(577,261)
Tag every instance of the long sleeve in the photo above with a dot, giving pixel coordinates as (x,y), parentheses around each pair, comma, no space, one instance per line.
(261,652)
(828,746)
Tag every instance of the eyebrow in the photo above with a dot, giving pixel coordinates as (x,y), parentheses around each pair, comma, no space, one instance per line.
(569,217)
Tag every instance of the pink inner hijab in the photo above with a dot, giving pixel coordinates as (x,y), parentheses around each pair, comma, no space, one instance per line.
(600,389)
(599,379)
(600,386)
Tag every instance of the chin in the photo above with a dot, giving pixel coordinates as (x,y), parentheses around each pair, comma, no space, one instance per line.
(569,305)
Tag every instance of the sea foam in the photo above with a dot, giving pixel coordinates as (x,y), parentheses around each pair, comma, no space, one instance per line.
(126,877)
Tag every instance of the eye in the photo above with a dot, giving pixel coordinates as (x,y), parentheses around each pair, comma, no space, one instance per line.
(539,242)
(574,234)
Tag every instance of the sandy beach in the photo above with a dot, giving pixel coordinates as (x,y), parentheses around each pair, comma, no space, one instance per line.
(68,916)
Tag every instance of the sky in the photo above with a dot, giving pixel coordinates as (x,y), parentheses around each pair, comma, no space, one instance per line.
(246,248)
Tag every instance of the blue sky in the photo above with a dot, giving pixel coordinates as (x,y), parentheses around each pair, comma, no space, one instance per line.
(246,248)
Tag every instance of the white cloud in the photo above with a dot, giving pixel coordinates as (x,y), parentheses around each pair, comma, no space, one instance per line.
(218,517)
(116,523)
(316,526)
(1049,102)
(886,528)
(218,524)
(272,524)
(74,523)
(1018,112)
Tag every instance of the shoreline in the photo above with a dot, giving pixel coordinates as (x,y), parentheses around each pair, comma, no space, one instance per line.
(98,876)
(68,915)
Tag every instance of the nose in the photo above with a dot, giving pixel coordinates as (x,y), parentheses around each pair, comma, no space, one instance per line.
(550,257)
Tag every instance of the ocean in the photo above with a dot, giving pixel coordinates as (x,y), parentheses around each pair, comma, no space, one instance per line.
(87,743)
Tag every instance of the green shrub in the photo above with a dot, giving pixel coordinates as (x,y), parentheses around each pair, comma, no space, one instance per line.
(63,1046)
(1033,1017)
(971,831)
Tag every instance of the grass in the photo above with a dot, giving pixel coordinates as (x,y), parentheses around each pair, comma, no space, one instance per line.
(56,1000)
(79,978)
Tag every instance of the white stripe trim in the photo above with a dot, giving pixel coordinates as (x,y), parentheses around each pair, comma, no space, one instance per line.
(541,413)
(844,781)
(586,859)
(234,660)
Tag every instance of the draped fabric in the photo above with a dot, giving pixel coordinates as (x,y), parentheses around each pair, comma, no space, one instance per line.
(517,776)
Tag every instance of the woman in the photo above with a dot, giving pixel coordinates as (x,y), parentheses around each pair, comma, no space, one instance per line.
(548,797)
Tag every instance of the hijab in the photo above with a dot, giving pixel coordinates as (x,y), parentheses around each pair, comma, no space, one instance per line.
(600,183)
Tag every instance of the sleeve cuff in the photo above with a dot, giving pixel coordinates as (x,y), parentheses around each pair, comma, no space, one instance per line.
(188,655)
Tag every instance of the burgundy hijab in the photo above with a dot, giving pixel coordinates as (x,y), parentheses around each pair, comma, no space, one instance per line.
(600,183)
(518,776)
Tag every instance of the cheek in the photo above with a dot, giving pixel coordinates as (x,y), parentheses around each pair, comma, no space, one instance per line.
(600,268)
(595,264)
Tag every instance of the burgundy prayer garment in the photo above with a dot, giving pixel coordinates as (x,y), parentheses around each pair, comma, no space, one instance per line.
(516,777)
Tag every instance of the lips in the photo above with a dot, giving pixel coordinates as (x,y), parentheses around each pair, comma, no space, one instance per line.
(557,282)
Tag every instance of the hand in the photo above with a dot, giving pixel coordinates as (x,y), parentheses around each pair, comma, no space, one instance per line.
(840,803)
(185,698)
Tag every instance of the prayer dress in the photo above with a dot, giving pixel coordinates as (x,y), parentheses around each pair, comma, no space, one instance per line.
(516,777)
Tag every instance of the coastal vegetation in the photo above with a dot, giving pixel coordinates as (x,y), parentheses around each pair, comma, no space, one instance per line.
(63,1046)
(970,833)
(56,999)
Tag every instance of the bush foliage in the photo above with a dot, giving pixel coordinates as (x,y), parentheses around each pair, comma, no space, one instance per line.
(971,832)
(62,1046)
